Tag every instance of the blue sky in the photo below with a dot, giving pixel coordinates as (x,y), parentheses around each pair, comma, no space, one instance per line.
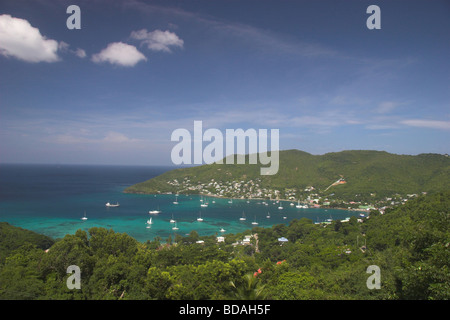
(114,91)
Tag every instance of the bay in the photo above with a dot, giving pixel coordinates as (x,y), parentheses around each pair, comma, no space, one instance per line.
(52,199)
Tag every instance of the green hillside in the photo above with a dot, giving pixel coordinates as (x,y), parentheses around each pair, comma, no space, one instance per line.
(12,238)
(366,173)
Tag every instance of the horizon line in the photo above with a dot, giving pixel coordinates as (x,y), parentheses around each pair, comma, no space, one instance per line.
(195,165)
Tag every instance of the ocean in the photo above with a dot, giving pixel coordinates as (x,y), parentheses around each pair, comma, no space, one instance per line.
(52,199)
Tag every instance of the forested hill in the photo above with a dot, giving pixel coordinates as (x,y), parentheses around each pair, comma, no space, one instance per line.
(362,172)
(12,238)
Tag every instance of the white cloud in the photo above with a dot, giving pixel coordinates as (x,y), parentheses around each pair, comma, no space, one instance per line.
(64,47)
(158,40)
(434,124)
(20,40)
(381,126)
(80,53)
(119,53)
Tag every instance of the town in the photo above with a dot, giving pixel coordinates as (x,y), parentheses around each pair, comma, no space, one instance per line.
(252,189)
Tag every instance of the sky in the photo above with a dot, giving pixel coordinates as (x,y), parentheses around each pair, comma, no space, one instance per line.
(113,91)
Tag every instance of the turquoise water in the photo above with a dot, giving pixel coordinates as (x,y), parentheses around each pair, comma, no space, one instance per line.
(52,199)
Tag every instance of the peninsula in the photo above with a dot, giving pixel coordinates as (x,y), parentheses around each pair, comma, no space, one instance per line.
(361,179)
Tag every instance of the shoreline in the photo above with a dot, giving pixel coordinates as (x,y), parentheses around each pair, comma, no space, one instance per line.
(262,199)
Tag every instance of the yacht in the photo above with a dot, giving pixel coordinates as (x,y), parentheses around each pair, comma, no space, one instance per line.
(243,218)
(154,211)
(200,219)
(112,205)
(84,217)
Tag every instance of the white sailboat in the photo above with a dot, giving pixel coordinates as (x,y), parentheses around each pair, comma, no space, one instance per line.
(149,223)
(172,220)
(200,219)
(243,218)
(268,215)
(176,200)
(84,217)
(175,227)
(254,222)
(154,211)
(222,230)
(280,207)
(204,203)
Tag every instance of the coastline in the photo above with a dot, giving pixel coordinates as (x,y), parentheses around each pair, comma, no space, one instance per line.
(262,199)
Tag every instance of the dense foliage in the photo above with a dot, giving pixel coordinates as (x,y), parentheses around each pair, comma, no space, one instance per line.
(368,174)
(410,244)
(13,238)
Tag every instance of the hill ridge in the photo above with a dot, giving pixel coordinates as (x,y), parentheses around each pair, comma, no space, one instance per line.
(368,173)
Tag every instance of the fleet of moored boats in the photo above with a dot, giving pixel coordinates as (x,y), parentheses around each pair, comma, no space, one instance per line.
(204,204)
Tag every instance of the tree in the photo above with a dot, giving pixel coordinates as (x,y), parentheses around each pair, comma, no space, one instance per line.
(19,276)
(250,289)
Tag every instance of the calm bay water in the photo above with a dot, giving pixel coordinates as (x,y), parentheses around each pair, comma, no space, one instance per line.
(51,199)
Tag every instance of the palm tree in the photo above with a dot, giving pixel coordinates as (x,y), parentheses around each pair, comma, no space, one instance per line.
(251,289)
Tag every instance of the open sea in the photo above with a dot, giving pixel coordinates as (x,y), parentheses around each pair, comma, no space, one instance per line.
(52,199)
